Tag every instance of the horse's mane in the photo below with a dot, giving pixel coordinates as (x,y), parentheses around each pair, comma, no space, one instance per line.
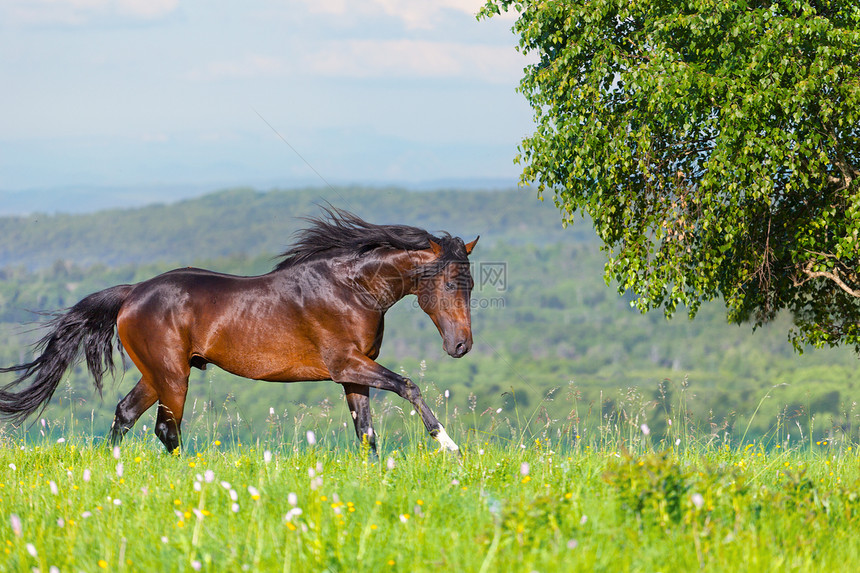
(341,232)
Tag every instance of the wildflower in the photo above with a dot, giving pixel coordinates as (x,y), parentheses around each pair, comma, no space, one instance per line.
(53,486)
(102,563)
(164,539)
(61,440)
(16,524)
(583,520)
(390,463)
(226,485)
(87,514)
(87,474)
(572,544)
(197,486)
(645,429)
(117,502)
(116,452)
(196,565)
(697,500)
(295,512)
(499,411)
(138,459)
(209,476)
(61,522)
(12,467)
(267,456)
(216,443)
(233,495)
(255,494)
(312,438)
(119,469)
(524,469)
(404,517)
(447,394)
(235,508)
(31,549)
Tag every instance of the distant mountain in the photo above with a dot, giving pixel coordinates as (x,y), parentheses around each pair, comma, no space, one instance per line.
(250,222)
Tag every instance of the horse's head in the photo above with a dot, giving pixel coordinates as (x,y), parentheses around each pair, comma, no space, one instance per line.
(444,292)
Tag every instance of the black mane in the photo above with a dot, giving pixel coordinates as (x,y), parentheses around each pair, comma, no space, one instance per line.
(339,232)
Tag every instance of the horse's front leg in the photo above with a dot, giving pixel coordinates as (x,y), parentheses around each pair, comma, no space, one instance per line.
(362,371)
(358,400)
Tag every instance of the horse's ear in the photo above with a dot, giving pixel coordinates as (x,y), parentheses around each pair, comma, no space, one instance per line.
(436,247)
(470,246)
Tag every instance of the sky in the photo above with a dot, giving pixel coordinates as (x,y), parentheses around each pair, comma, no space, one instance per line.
(261,93)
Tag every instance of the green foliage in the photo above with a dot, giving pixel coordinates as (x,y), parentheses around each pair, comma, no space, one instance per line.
(714,143)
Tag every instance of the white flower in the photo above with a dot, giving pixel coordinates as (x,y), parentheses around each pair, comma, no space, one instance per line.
(61,440)
(164,539)
(255,493)
(312,438)
(209,476)
(235,508)
(499,411)
(697,500)
(119,469)
(267,456)
(524,469)
(12,467)
(583,520)
(61,522)
(226,485)
(54,489)
(196,565)
(31,549)
(645,429)
(87,474)
(87,514)
(447,394)
(117,502)
(233,495)
(197,486)
(116,452)
(16,524)
(292,499)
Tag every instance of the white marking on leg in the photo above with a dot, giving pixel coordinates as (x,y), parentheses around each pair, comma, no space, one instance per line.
(445,441)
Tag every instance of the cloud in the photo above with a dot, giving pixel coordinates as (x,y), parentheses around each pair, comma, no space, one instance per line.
(412,13)
(418,58)
(81,12)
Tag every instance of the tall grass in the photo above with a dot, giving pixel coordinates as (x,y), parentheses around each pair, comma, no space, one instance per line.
(639,486)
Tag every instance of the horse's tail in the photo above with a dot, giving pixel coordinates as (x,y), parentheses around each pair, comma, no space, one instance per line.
(90,323)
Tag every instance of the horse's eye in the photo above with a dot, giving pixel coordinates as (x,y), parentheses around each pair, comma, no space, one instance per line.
(450,286)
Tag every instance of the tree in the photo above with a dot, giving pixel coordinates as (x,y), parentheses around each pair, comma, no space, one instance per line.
(715,144)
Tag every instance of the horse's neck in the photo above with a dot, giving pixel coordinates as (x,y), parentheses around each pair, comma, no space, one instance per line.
(387,277)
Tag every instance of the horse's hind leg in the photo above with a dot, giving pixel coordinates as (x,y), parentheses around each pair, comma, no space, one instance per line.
(358,400)
(130,408)
(169,419)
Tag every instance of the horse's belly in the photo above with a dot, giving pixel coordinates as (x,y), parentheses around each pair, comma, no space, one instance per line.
(287,365)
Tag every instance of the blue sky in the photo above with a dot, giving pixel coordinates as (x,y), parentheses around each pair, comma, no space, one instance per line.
(161,92)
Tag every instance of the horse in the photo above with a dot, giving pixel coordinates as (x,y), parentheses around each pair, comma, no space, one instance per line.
(317,316)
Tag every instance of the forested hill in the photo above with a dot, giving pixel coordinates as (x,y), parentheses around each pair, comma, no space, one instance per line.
(249,222)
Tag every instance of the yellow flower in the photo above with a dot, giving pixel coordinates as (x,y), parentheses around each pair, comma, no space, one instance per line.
(217,442)
(177,502)
(138,459)
(180,524)
(391,562)
(192,465)
(568,495)
(526,479)
(102,563)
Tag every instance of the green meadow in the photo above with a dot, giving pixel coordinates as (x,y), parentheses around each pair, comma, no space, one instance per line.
(524,499)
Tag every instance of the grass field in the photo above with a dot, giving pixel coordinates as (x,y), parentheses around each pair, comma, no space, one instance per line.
(616,502)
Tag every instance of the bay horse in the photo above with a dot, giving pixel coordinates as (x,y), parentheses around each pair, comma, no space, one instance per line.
(319,315)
